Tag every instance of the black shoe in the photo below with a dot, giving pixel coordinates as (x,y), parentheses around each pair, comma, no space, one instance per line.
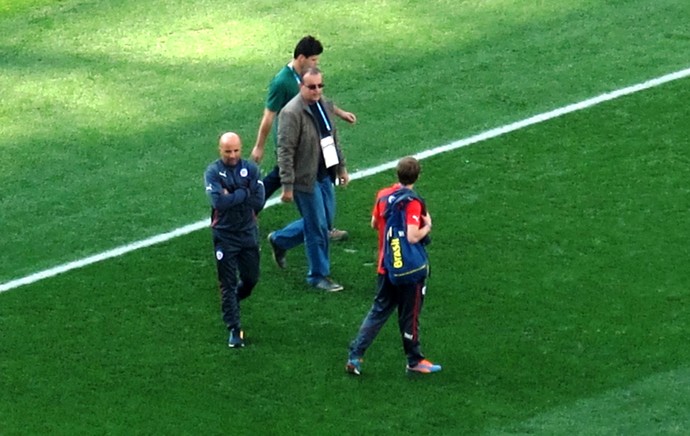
(278,253)
(236,339)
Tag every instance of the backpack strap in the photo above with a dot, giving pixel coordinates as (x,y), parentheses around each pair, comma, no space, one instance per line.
(399,199)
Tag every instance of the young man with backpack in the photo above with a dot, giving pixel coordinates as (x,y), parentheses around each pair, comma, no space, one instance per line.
(403,248)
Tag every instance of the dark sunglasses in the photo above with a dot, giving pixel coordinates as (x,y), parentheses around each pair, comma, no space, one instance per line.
(313,87)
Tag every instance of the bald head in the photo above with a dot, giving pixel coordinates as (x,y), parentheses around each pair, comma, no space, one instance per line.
(230,148)
(229,137)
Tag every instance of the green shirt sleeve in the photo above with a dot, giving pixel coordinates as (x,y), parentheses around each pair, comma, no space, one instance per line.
(281,90)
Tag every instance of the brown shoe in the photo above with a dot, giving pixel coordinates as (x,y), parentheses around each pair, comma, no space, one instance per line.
(328,285)
(278,253)
(337,235)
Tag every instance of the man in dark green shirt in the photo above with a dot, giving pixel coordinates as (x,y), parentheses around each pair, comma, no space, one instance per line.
(283,87)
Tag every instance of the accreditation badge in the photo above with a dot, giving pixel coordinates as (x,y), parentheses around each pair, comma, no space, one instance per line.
(330,155)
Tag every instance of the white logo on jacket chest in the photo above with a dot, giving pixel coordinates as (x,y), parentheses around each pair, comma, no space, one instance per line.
(244,172)
(223,173)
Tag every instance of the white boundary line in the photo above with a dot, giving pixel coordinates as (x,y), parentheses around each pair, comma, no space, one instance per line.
(489,134)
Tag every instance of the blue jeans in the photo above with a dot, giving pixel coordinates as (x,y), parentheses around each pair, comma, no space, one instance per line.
(272,184)
(317,209)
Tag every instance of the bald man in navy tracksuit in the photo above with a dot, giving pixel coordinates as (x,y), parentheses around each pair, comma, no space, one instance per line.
(236,195)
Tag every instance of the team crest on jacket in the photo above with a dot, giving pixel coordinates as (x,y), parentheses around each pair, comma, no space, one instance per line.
(243,172)
(219,254)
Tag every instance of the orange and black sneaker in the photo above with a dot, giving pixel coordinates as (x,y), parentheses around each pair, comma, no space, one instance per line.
(423,367)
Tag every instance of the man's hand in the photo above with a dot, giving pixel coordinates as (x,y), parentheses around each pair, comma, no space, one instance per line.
(257,154)
(344,179)
(346,116)
(286,196)
(426,220)
(264,132)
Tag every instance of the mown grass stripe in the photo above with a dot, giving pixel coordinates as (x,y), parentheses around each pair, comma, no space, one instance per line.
(489,134)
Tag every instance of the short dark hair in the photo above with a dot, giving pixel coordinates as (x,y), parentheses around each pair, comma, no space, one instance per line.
(308,47)
(408,170)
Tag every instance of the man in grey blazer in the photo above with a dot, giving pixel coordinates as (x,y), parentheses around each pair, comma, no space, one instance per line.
(310,160)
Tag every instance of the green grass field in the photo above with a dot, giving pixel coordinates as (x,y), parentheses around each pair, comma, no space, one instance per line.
(559,297)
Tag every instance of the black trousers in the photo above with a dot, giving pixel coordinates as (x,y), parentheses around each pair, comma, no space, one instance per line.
(238,274)
(408,300)
(272,182)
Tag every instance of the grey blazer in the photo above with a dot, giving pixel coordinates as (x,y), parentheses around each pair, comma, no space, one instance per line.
(299,145)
